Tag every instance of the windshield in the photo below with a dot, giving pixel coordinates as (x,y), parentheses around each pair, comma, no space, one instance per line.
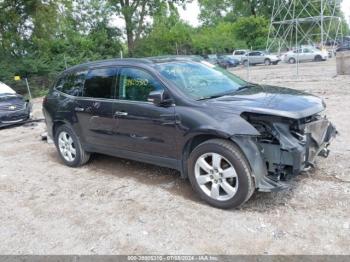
(200,80)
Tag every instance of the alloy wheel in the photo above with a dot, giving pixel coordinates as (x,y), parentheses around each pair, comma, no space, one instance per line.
(216,176)
(67,147)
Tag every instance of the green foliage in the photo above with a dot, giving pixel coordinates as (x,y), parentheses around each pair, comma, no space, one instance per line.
(220,38)
(135,12)
(40,38)
(252,30)
(169,35)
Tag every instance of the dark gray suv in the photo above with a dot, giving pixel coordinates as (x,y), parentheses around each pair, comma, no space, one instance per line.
(228,136)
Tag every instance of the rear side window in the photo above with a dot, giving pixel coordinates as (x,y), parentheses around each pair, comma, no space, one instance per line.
(99,83)
(72,83)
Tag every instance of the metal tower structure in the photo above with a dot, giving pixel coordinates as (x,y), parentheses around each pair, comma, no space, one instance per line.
(303,22)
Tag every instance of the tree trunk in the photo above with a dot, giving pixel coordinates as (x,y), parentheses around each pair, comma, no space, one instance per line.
(252,7)
(130,39)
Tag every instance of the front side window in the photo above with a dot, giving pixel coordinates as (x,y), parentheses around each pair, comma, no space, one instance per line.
(136,84)
(200,80)
(99,83)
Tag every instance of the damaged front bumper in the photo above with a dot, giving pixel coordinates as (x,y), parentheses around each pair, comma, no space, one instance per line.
(289,152)
(297,150)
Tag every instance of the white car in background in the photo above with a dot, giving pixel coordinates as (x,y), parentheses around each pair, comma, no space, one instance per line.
(239,54)
(305,54)
(260,57)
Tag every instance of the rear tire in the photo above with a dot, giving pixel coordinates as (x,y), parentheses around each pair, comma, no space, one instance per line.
(69,147)
(220,174)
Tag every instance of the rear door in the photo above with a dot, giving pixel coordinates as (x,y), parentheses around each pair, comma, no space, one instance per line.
(142,126)
(94,110)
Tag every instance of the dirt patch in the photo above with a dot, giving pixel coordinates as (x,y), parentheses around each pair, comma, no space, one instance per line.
(115,206)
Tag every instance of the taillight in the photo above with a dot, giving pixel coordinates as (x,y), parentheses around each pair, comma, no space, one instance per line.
(45,100)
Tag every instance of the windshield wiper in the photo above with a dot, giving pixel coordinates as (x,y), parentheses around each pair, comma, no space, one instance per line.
(210,97)
(249,85)
(244,87)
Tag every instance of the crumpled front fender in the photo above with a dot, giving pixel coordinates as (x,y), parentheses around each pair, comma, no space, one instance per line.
(253,154)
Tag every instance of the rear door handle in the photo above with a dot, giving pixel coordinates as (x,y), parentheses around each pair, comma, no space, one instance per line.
(120,113)
(79,109)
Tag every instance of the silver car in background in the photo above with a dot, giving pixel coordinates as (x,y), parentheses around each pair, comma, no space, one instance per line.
(260,57)
(239,54)
(305,54)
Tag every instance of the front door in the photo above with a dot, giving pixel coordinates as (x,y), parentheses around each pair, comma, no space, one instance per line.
(142,126)
(94,109)
(308,54)
(255,58)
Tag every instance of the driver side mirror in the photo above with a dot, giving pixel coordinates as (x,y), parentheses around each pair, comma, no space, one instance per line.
(159,98)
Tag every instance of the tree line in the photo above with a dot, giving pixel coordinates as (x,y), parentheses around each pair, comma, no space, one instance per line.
(40,38)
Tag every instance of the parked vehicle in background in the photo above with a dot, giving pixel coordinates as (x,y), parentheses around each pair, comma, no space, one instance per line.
(260,57)
(228,136)
(14,109)
(345,46)
(212,58)
(226,61)
(305,54)
(238,54)
(331,42)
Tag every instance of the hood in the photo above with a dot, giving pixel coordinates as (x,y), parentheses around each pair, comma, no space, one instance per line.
(271,100)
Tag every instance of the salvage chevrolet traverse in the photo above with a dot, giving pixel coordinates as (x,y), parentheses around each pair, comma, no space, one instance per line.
(229,137)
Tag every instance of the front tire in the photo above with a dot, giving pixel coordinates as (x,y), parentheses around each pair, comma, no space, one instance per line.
(291,60)
(318,58)
(220,174)
(69,147)
(267,62)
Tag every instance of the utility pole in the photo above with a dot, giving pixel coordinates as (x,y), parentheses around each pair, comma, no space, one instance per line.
(28,88)
(65,61)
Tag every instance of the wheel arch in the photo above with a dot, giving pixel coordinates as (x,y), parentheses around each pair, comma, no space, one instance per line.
(56,125)
(192,142)
(245,143)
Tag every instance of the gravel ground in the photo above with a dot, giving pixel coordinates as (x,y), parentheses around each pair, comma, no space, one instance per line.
(115,206)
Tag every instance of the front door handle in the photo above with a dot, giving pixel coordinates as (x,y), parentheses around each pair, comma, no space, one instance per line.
(121,113)
(79,109)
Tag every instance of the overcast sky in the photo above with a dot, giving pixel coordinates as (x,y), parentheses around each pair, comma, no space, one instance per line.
(346,9)
(192,11)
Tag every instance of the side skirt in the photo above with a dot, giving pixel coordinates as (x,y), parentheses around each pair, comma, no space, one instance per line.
(145,158)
